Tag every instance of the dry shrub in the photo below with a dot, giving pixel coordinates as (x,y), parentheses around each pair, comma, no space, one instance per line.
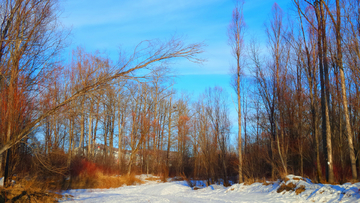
(227,184)
(288,187)
(177,178)
(86,174)
(353,181)
(283,176)
(152,178)
(334,183)
(164,178)
(100,180)
(51,165)
(165,175)
(31,190)
(188,181)
(300,189)
(249,181)
(106,181)
(82,167)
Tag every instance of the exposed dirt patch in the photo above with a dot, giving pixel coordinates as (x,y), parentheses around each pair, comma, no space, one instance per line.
(288,187)
(300,189)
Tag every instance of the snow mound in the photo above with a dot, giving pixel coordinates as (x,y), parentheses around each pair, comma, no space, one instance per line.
(303,190)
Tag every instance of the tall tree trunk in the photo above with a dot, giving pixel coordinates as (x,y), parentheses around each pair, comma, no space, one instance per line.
(90,134)
(82,128)
(343,91)
(71,140)
(120,129)
(324,83)
(169,133)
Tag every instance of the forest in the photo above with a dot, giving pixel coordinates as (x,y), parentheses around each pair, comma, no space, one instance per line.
(297,106)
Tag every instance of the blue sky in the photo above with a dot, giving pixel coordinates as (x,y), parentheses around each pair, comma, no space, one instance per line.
(108,25)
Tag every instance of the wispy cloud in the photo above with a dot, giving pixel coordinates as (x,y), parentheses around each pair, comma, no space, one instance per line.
(107,24)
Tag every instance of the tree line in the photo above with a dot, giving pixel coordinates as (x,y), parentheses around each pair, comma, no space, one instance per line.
(304,110)
(296,101)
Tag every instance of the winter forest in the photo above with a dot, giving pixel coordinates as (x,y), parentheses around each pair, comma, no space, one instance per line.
(296,99)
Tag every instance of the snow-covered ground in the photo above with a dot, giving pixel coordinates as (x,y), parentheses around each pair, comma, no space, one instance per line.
(179,191)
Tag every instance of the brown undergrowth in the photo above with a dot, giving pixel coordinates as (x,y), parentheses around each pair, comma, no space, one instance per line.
(155,178)
(36,189)
(300,189)
(287,187)
(266,183)
(250,181)
(29,190)
(102,181)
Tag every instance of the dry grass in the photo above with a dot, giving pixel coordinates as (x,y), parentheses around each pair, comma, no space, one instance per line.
(296,178)
(334,183)
(153,178)
(267,183)
(288,187)
(29,191)
(177,178)
(249,181)
(188,181)
(283,176)
(102,181)
(353,181)
(164,178)
(300,189)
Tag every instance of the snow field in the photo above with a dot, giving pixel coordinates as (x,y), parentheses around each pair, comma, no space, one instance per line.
(179,191)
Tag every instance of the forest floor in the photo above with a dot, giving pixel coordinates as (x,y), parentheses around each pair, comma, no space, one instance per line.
(292,189)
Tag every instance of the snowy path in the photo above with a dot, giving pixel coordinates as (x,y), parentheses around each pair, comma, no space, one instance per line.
(172,192)
(179,191)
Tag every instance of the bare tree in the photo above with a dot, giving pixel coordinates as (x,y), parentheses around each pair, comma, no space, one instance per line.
(236,32)
(339,63)
(146,54)
(27,47)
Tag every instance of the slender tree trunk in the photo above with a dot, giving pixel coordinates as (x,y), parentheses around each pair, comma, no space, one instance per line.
(343,92)
(94,135)
(71,138)
(241,179)
(111,139)
(82,129)
(169,134)
(120,128)
(89,136)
